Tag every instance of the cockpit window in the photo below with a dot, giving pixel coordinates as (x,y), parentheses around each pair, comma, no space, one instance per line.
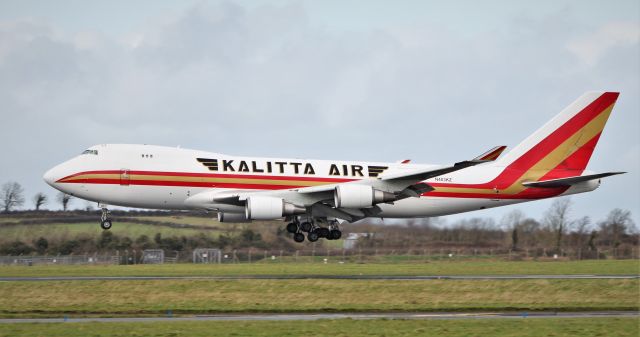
(93,152)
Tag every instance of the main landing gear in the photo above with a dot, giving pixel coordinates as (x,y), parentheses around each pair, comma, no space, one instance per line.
(314,232)
(105,221)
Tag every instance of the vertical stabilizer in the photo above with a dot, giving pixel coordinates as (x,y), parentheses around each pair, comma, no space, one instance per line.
(564,145)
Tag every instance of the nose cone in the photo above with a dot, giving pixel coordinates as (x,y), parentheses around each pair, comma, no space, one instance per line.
(51,176)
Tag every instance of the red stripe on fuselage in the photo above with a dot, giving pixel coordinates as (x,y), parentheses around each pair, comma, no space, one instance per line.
(206,175)
(185,184)
(531,193)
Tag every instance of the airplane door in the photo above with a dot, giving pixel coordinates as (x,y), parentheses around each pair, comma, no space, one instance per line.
(124,177)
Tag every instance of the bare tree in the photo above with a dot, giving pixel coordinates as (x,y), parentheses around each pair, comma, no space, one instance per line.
(12,196)
(618,223)
(512,222)
(557,220)
(39,199)
(580,230)
(592,241)
(64,199)
(529,233)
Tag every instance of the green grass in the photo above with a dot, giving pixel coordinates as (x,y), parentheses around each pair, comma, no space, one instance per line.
(6,219)
(183,220)
(483,267)
(54,298)
(583,327)
(133,230)
(202,221)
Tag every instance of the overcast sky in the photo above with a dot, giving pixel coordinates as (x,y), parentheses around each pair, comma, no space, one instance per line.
(436,82)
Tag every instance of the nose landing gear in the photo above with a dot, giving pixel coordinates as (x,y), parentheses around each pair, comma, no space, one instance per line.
(105,221)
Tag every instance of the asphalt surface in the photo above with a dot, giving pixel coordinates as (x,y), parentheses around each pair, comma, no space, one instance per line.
(325,277)
(313,317)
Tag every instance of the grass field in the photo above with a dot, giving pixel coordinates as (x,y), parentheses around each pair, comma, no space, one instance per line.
(185,220)
(206,221)
(11,228)
(473,267)
(129,226)
(583,327)
(153,297)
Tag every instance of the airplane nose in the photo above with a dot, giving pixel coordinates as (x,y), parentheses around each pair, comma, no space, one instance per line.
(50,177)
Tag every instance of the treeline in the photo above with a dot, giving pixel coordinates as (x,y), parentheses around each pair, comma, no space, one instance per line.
(109,242)
(554,233)
(12,197)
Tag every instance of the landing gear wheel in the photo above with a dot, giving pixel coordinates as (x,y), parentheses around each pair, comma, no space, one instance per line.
(292,227)
(306,226)
(323,232)
(312,236)
(105,224)
(298,237)
(335,234)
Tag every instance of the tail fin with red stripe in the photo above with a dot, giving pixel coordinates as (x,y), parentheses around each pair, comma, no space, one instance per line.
(564,145)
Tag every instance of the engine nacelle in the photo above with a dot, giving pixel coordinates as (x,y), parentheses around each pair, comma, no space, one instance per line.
(359,196)
(232,217)
(270,208)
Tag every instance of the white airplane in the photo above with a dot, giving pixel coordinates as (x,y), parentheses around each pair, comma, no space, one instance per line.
(314,196)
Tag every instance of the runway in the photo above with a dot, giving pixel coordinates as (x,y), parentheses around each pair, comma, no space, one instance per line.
(321,277)
(313,317)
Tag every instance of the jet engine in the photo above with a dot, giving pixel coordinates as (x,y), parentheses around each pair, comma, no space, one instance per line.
(232,217)
(359,196)
(270,208)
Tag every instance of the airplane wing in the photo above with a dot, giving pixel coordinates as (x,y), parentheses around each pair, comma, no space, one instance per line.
(320,199)
(425,174)
(395,182)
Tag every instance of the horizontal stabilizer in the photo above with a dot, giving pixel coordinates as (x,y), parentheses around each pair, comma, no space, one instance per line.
(566,182)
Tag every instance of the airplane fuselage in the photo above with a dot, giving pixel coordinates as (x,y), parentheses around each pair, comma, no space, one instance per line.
(157,177)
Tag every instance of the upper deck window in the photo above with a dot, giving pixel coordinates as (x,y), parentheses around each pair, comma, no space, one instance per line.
(93,152)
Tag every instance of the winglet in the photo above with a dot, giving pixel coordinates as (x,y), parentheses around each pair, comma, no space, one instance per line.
(490,155)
